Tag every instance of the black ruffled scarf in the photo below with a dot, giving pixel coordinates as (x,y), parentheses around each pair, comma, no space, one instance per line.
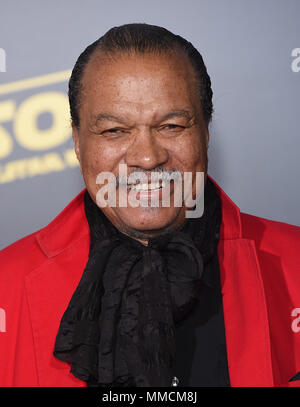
(119,327)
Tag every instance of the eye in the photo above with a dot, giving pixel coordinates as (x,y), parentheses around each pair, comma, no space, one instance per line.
(114,131)
(171,128)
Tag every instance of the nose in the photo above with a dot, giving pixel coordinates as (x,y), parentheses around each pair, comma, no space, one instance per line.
(145,151)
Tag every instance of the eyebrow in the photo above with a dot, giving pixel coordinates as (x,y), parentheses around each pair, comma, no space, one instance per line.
(110,117)
(170,115)
(178,113)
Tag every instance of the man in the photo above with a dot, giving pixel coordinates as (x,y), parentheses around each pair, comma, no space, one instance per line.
(126,295)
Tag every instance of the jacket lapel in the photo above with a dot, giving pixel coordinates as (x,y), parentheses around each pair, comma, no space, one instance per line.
(244,304)
(65,242)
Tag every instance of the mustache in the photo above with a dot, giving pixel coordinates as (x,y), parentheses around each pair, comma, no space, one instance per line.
(158,174)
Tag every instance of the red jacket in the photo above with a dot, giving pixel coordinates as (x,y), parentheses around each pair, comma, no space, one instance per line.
(260,277)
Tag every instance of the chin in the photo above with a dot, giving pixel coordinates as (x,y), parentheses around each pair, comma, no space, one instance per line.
(148,219)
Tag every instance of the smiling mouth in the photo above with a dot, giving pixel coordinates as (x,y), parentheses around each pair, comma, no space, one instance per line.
(151,186)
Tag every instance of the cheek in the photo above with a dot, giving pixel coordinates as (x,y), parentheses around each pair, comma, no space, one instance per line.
(94,160)
(191,153)
(99,156)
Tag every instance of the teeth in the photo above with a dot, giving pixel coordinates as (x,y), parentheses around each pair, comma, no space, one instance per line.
(146,187)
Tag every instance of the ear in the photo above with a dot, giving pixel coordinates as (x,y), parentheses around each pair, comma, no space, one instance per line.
(206,137)
(75,137)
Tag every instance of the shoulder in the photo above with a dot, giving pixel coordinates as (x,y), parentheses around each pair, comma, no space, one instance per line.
(276,238)
(269,231)
(20,257)
(25,255)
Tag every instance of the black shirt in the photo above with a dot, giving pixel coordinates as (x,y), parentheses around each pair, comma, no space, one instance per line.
(201,357)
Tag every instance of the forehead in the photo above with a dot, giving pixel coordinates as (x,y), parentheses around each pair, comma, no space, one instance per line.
(134,81)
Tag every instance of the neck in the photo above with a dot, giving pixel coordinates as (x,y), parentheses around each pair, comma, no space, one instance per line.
(143,236)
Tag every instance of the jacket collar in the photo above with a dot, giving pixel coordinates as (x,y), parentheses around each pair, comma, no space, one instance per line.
(72,221)
(231,217)
(68,227)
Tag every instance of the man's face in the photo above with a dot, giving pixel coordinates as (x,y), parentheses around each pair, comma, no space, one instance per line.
(143,111)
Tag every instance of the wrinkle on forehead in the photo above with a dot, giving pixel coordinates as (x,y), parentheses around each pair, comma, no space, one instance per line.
(138,85)
(156,116)
(103,65)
